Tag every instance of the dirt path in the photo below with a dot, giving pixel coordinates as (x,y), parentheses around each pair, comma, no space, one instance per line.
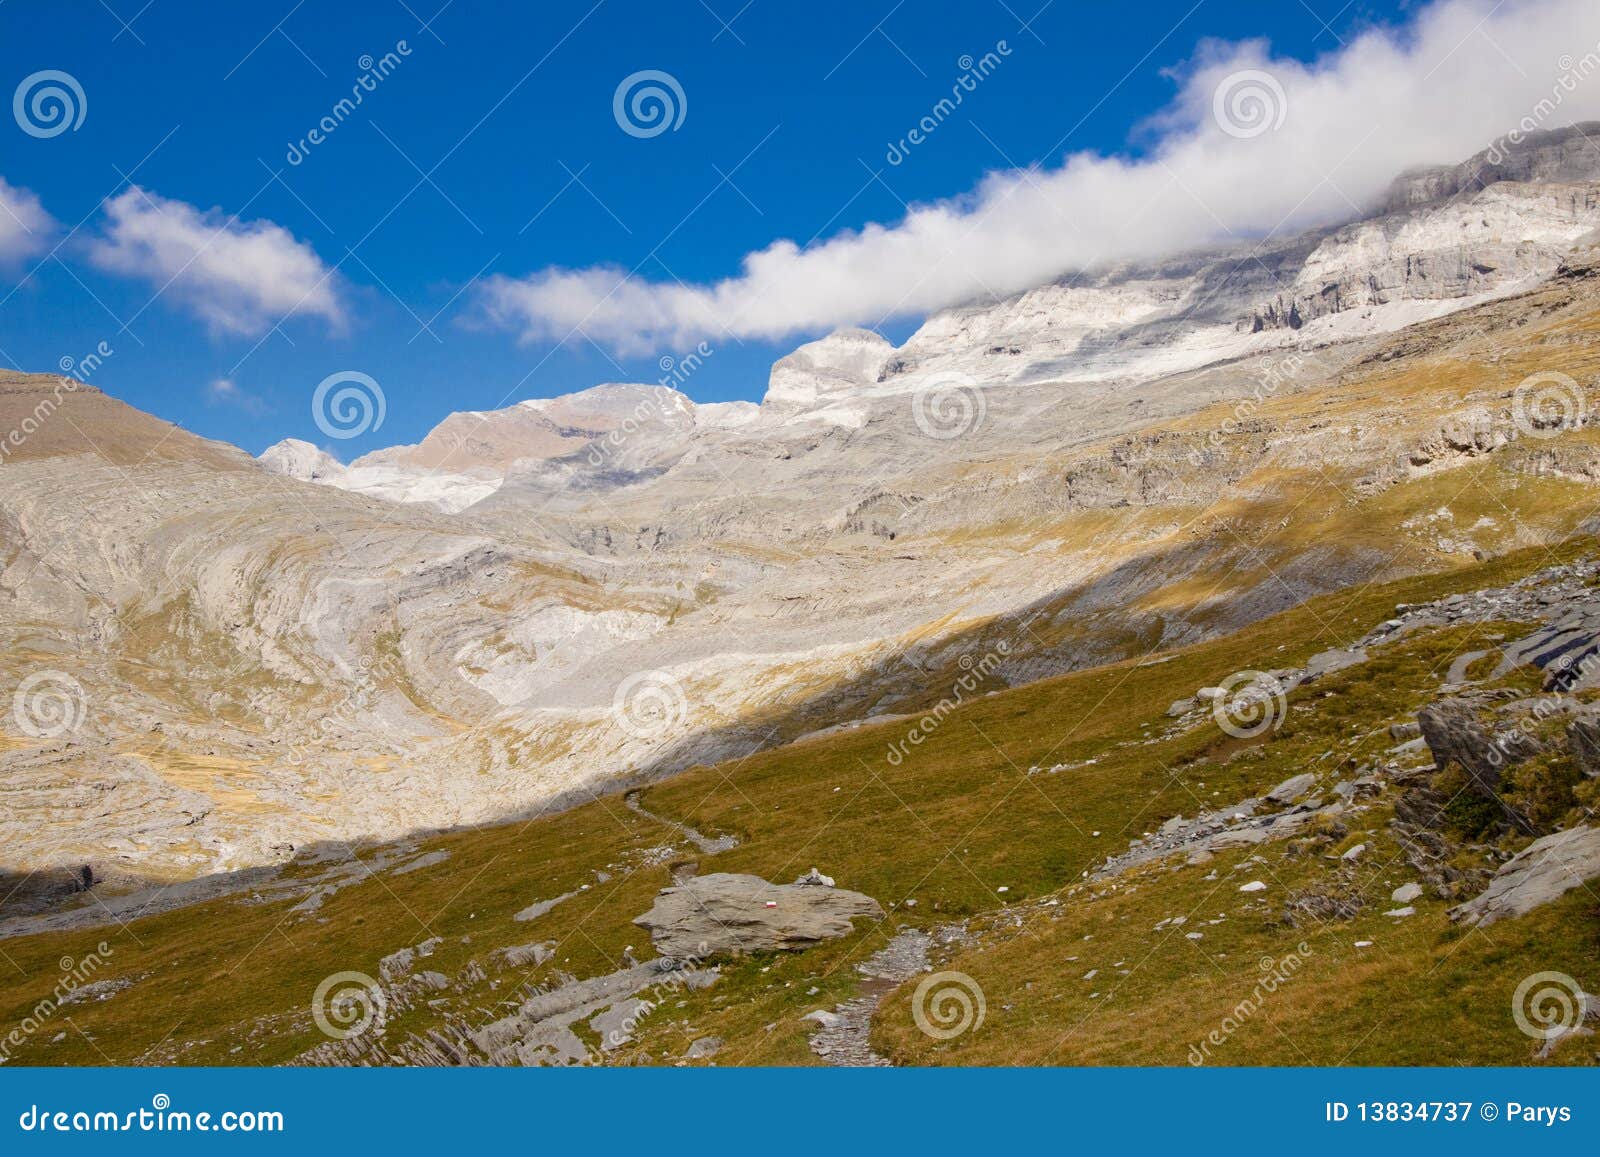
(844,1039)
(707,846)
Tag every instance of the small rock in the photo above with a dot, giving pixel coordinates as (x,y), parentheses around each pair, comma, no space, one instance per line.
(815,879)
(1328,662)
(1292,789)
(823,1017)
(1406,893)
(1355,853)
(1253,886)
(1408,910)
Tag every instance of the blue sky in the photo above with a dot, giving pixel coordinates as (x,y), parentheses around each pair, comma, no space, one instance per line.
(508,110)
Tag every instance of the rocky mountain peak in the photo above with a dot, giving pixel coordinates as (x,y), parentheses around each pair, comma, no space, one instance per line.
(603,408)
(1557,156)
(299,459)
(845,361)
(1448,238)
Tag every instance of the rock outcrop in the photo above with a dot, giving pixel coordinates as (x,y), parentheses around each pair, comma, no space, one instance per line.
(1544,871)
(726,914)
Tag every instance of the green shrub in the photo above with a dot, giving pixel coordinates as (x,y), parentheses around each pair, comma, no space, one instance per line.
(1541,789)
(1467,813)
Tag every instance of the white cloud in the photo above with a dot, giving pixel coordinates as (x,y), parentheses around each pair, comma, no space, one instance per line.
(1436,91)
(227,392)
(25,227)
(239,276)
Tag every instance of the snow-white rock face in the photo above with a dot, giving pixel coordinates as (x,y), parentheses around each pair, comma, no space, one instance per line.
(468,456)
(302,460)
(440,490)
(1368,278)
(841,365)
(1558,157)
(1441,240)
(725,415)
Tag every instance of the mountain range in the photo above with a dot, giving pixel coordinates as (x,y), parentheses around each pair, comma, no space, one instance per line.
(234,672)
(1034,469)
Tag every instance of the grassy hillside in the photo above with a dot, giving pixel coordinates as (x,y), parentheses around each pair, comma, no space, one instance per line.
(961,827)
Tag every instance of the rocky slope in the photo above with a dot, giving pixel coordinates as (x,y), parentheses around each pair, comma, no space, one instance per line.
(1065,872)
(233,660)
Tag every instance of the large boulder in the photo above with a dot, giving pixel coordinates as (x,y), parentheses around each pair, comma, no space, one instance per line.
(1543,871)
(1455,732)
(729,914)
(1583,738)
